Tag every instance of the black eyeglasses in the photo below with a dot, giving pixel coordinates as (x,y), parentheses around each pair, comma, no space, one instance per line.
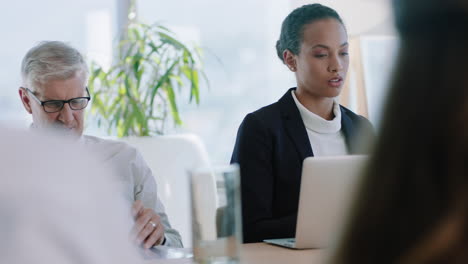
(53,106)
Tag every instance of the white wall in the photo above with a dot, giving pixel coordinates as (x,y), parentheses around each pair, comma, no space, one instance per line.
(85,24)
(360,16)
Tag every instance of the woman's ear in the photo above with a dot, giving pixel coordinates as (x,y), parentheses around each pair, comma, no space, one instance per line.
(290,60)
(25,99)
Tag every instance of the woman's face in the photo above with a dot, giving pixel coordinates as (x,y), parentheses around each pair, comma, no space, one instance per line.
(323,60)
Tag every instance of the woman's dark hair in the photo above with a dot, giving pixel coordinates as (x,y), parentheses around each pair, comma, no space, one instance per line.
(293,26)
(412,203)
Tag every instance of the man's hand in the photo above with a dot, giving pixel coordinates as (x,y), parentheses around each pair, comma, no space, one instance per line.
(148,229)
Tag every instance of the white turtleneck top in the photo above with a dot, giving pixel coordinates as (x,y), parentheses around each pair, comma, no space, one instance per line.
(326,138)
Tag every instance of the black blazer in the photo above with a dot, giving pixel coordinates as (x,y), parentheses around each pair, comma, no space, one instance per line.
(271,145)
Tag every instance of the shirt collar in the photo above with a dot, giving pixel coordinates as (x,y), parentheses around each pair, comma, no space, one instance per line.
(315,122)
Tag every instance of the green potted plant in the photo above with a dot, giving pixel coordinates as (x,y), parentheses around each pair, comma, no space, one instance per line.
(138,93)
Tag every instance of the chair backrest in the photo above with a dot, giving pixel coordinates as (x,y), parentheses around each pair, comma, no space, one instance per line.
(170,158)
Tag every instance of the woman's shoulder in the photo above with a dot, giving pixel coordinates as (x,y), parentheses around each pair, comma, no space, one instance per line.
(263,119)
(353,116)
(274,111)
(272,115)
(269,110)
(267,116)
(358,122)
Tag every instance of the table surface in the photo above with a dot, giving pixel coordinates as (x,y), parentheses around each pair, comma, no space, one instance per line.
(250,254)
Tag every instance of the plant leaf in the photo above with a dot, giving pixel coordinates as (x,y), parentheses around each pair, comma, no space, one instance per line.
(173,105)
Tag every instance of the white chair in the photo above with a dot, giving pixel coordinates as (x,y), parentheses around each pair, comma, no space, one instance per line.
(170,158)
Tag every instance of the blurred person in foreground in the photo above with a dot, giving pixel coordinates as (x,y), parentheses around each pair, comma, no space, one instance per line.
(273,141)
(58,204)
(55,93)
(412,204)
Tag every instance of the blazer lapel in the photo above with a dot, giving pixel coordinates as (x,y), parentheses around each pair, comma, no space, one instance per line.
(294,125)
(348,129)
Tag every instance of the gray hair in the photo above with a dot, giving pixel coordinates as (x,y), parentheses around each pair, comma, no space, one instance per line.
(51,60)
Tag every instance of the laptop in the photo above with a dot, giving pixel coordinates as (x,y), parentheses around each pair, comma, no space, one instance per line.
(327,186)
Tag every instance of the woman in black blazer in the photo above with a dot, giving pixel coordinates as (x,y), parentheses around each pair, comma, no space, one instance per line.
(273,141)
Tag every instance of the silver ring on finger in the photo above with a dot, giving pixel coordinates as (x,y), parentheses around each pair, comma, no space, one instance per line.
(153,224)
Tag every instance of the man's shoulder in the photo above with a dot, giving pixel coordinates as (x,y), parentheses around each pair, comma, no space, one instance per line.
(105,141)
(109,145)
(88,139)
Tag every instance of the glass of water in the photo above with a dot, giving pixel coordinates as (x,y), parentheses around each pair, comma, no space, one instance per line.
(216,214)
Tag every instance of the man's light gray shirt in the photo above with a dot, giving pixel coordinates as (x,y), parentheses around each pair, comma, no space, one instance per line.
(136,177)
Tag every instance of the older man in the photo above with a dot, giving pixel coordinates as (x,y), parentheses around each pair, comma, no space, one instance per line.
(54,92)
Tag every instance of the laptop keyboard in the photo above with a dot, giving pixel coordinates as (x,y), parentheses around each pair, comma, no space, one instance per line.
(285,242)
(290,242)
